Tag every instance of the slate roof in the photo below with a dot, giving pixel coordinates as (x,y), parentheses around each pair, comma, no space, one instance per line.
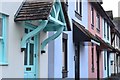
(110,14)
(79,31)
(38,10)
(116,20)
(104,45)
(34,10)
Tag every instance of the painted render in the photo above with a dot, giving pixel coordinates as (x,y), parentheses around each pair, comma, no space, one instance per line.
(57,48)
(94,32)
(15,66)
(104,52)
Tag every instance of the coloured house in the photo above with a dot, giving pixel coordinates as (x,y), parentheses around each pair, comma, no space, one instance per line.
(101,25)
(88,52)
(24,27)
(66,60)
(56,39)
(116,43)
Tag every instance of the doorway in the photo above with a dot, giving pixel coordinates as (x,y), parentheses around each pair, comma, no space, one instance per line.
(30,56)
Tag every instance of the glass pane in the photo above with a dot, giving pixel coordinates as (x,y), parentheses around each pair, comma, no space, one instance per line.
(26,30)
(25,55)
(77,5)
(0,27)
(1,49)
(31,54)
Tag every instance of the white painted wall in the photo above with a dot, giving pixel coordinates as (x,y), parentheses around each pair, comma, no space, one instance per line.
(110,55)
(43,58)
(15,68)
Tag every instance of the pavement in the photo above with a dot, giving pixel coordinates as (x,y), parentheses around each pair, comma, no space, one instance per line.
(114,77)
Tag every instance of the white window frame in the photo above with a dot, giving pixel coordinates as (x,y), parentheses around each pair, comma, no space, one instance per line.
(77,2)
(3,38)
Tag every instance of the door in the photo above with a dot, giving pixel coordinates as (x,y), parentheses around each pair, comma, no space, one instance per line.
(30,58)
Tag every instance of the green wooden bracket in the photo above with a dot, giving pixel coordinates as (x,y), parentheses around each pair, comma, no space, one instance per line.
(32,33)
(53,37)
(57,22)
(57,10)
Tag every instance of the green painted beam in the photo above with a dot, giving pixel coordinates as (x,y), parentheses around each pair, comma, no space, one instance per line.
(53,37)
(54,10)
(57,11)
(34,32)
(57,22)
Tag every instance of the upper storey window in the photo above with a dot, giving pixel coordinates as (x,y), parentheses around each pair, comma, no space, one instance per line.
(98,22)
(92,17)
(108,31)
(78,9)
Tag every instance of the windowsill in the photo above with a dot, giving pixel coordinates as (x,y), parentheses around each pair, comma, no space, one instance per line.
(104,36)
(98,30)
(78,15)
(3,64)
(92,26)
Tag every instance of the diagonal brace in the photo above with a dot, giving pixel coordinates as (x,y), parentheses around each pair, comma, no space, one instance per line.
(57,22)
(53,37)
(32,33)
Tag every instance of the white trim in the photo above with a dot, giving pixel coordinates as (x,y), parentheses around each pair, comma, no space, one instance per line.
(1,37)
(97,43)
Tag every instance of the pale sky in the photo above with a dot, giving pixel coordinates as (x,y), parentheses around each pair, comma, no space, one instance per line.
(111,5)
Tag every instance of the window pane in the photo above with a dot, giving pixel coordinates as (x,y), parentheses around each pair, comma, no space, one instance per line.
(1,51)
(80,6)
(77,5)
(0,27)
(31,54)
(104,29)
(25,55)
(107,31)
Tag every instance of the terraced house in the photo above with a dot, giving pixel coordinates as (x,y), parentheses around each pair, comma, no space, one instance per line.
(58,39)
(23,36)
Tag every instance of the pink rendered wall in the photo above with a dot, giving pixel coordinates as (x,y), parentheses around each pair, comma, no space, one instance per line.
(94,32)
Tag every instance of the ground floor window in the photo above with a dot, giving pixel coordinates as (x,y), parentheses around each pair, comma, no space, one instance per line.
(3,32)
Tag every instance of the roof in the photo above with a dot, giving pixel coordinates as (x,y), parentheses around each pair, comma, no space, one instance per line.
(110,14)
(104,45)
(34,10)
(102,12)
(38,10)
(80,34)
(116,20)
(118,51)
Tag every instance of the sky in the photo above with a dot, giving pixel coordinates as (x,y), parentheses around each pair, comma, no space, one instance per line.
(111,5)
(107,5)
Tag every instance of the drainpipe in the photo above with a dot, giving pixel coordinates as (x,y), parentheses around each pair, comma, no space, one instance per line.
(107,63)
(117,63)
(77,61)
